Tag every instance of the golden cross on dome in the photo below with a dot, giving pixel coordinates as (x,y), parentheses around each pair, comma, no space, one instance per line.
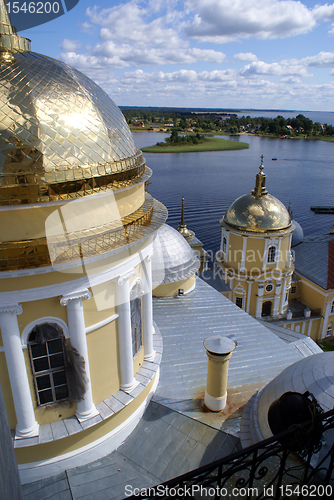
(261,166)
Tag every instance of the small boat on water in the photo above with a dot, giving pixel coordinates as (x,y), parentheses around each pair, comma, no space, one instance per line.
(274,158)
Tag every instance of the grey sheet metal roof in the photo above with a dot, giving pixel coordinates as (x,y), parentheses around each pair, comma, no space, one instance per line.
(311,258)
(186,321)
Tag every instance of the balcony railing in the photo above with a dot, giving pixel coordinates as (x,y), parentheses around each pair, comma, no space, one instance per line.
(267,470)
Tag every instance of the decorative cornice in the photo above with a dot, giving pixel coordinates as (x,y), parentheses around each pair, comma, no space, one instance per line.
(15,308)
(80,294)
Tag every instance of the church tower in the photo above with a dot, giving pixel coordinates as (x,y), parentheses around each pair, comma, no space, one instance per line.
(255,255)
(77,229)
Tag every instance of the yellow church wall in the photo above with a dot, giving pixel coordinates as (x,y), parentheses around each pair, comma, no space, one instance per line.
(171,289)
(252,305)
(312,295)
(234,253)
(39,309)
(254,254)
(84,438)
(103,362)
(102,303)
(32,222)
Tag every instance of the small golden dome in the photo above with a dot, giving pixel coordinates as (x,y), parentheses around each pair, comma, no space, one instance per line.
(258,211)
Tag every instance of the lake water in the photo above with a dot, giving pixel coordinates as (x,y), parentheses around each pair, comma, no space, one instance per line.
(315,116)
(303,175)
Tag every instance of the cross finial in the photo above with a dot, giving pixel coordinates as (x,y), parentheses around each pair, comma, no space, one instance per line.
(261,166)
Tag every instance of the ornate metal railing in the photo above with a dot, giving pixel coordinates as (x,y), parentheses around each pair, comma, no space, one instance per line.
(268,470)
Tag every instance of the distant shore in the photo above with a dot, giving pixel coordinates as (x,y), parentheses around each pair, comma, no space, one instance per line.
(211,144)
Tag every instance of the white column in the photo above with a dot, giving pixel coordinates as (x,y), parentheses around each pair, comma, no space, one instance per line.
(259,300)
(128,382)
(249,295)
(149,353)
(26,422)
(324,325)
(276,299)
(283,296)
(76,325)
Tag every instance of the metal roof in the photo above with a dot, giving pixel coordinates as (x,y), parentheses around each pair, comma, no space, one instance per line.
(311,258)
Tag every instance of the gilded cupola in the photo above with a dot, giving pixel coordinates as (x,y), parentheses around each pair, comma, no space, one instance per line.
(258,211)
(71,178)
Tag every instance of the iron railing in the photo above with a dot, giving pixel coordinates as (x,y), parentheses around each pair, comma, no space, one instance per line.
(267,470)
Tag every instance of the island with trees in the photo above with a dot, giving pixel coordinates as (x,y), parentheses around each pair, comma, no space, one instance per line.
(193,143)
(224,122)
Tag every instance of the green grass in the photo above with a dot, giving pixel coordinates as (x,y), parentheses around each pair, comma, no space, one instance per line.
(326,346)
(212,144)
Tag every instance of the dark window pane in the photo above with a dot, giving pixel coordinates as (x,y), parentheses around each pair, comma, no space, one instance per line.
(43,382)
(45,397)
(59,378)
(61,392)
(57,360)
(38,350)
(55,346)
(41,364)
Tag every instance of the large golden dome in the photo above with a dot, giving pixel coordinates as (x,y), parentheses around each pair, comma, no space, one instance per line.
(72,183)
(258,211)
(61,136)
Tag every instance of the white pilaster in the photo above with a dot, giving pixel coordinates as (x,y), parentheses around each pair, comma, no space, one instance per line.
(76,324)
(278,254)
(259,300)
(26,422)
(277,298)
(149,352)
(128,382)
(324,325)
(283,296)
(249,295)
(289,255)
(243,257)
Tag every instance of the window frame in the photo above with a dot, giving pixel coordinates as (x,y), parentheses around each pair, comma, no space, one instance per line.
(240,300)
(271,255)
(136,325)
(51,371)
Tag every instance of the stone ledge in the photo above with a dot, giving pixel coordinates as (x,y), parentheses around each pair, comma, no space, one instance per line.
(110,406)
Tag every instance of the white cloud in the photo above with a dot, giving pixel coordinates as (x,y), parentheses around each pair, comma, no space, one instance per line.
(274,69)
(221,21)
(245,56)
(70,45)
(321,60)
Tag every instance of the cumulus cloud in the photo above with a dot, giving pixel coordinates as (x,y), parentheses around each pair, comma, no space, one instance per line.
(321,60)
(70,45)
(245,56)
(274,69)
(221,21)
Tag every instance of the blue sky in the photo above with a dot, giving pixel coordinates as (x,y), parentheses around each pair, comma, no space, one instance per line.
(263,54)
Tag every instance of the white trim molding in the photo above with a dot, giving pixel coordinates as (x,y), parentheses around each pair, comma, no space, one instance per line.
(40,321)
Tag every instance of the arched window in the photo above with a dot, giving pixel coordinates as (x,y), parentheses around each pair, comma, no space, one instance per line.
(136,318)
(46,344)
(329,330)
(224,245)
(271,254)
